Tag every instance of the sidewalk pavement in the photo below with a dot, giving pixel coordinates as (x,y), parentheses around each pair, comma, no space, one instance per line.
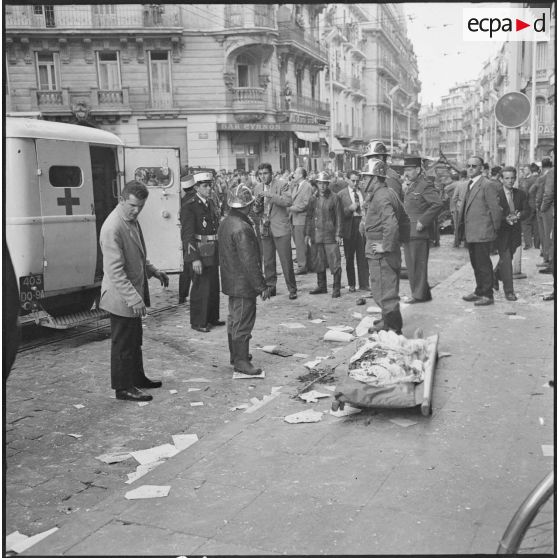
(362,484)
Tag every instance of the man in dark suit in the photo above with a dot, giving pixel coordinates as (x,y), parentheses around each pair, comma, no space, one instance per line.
(515,208)
(185,278)
(479,221)
(352,204)
(422,203)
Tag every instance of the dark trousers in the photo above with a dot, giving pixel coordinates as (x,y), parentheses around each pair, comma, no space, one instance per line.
(242,317)
(479,255)
(528,229)
(204,297)
(184,281)
(354,246)
(126,360)
(504,268)
(283,246)
(416,260)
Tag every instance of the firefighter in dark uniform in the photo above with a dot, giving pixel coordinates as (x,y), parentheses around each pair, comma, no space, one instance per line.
(200,221)
(376,150)
(185,278)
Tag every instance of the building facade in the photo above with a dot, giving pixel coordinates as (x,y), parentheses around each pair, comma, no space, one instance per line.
(231,85)
(429,122)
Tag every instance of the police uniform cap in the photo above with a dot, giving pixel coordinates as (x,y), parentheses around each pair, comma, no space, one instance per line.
(412,162)
(203,177)
(187,182)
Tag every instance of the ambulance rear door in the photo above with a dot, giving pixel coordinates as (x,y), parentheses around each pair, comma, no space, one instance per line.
(159,169)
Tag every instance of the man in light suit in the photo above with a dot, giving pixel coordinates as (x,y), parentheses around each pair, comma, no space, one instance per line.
(479,221)
(456,201)
(352,204)
(301,192)
(272,199)
(125,293)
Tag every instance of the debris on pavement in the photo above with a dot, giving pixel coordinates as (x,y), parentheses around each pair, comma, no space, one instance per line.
(304,416)
(143,457)
(196,403)
(547,450)
(173,391)
(20,543)
(300,355)
(142,470)
(294,325)
(360,301)
(330,388)
(357,315)
(79,406)
(75,435)
(148,491)
(346,411)
(315,321)
(197,380)
(277,350)
(514,317)
(313,396)
(510,313)
(541,421)
(240,376)
(183,441)
(257,403)
(442,355)
(338,336)
(345,328)
(404,423)
(362,328)
(240,407)
(374,310)
(143,403)
(115,457)
(311,364)
(193,389)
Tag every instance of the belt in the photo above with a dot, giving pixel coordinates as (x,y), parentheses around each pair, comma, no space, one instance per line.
(207,237)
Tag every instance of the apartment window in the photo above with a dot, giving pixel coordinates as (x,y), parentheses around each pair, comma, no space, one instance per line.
(160,78)
(108,69)
(262,15)
(542,49)
(245,71)
(540,109)
(104,14)
(299,82)
(233,15)
(47,71)
(313,86)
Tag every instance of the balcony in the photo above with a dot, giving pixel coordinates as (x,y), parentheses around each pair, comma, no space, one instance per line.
(306,105)
(292,36)
(105,16)
(355,83)
(248,103)
(249,16)
(542,74)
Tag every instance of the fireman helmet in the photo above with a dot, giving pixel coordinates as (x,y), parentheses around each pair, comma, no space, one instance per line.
(323,177)
(240,196)
(203,177)
(376,168)
(376,148)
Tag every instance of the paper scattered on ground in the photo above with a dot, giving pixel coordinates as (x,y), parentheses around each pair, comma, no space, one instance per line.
(362,327)
(197,380)
(142,470)
(346,328)
(293,325)
(347,410)
(404,423)
(115,457)
(275,389)
(240,407)
(154,454)
(300,355)
(330,388)
(183,441)
(196,404)
(256,403)
(240,376)
(143,403)
(79,406)
(357,315)
(541,421)
(75,435)
(173,391)
(442,355)
(469,310)
(338,336)
(193,389)
(14,538)
(517,318)
(316,321)
(148,491)
(304,416)
(547,385)
(548,283)
(547,450)
(313,396)
(277,350)
(374,310)
(22,544)
(311,364)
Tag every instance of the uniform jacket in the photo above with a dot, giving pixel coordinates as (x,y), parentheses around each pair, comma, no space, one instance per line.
(386,221)
(278,203)
(549,192)
(239,257)
(125,265)
(393,181)
(349,224)
(324,218)
(532,195)
(422,202)
(481,213)
(200,219)
(521,204)
(301,194)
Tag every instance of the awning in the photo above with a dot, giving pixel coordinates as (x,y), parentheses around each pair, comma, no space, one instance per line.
(351,150)
(312,137)
(336,147)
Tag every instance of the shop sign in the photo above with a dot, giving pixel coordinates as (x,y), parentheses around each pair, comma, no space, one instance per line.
(543,130)
(266,127)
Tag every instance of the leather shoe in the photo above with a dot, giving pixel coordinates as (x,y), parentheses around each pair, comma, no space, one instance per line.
(352,289)
(471,297)
(292,296)
(218,323)
(549,296)
(273,291)
(511,297)
(146,383)
(318,290)
(484,301)
(545,270)
(133,394)
(202,329)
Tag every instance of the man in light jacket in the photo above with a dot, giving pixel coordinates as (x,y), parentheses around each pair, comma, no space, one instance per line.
(301,192)
(125,293)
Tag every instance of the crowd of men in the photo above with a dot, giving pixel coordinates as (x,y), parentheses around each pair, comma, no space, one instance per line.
(235,224)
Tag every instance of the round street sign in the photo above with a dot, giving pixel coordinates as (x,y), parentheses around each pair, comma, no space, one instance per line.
(512,109)
(332,154)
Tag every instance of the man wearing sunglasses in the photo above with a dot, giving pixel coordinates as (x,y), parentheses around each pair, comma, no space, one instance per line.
(479,221)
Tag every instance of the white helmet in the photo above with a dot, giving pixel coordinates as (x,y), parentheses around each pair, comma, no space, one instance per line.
(376,168)
(376,148)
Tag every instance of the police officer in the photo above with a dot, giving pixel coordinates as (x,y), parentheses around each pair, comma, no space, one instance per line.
(200,221)
(185,278)
(376,150)
(422,203)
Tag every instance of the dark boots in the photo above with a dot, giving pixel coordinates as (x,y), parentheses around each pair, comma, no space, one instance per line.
(390,321)
(336,284)
(231,350)
(322,284)
(240,350)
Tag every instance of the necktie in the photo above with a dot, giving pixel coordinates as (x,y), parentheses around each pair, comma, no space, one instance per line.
(357,200)
(510,201)
(469,185)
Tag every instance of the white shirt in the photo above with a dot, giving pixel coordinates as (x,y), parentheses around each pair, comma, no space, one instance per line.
(474,180)
(360,200)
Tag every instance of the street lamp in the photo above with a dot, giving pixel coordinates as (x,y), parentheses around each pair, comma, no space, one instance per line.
(408,109)
(390,95)
(329,40)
